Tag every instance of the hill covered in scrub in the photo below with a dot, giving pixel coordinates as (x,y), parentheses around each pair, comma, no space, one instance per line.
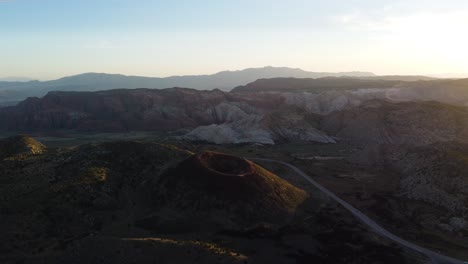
(20,145)
(436,175)
(69,194)
(120,201)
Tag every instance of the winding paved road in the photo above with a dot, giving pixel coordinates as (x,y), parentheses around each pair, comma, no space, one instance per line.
(433,256)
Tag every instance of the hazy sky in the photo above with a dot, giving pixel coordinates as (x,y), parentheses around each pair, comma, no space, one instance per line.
(46,39)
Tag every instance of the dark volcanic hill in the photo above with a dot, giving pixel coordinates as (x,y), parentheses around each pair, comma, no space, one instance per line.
(227,189)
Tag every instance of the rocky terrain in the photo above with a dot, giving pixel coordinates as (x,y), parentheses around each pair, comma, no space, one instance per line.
(318,85)
(328,84)
(126,201)
(20,145)
(228,190)
(435,174)
(280,125)
(396,151)
(413,123)
(123,110)
(416,192)
(302,110)
(426,194)
(214,115)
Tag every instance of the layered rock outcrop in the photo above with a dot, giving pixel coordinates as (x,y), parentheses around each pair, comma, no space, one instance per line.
(335,109)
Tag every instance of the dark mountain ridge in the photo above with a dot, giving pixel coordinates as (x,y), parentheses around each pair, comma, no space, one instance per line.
(123,110)
(225,80)
(337,83)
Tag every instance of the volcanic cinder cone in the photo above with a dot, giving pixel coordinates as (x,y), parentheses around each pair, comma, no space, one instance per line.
(229,187)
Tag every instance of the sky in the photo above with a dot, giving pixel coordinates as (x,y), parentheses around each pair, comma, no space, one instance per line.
(48,39)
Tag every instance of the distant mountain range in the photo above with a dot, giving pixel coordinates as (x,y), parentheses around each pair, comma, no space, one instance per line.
(15,79)
(225,80)
(12,92)
(450,75)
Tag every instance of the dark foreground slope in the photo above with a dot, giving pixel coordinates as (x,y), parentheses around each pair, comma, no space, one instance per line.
(124,202)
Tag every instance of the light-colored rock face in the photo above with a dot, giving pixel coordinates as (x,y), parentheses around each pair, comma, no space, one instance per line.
(265,117)
(452,95)
(264,129)
(229,112)
(245,130)
(294,126)
(240,122)
(371,115)
(328,102)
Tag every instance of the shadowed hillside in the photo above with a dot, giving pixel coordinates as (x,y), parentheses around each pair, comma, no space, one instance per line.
(122,201)
(20,145)
(229,189)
